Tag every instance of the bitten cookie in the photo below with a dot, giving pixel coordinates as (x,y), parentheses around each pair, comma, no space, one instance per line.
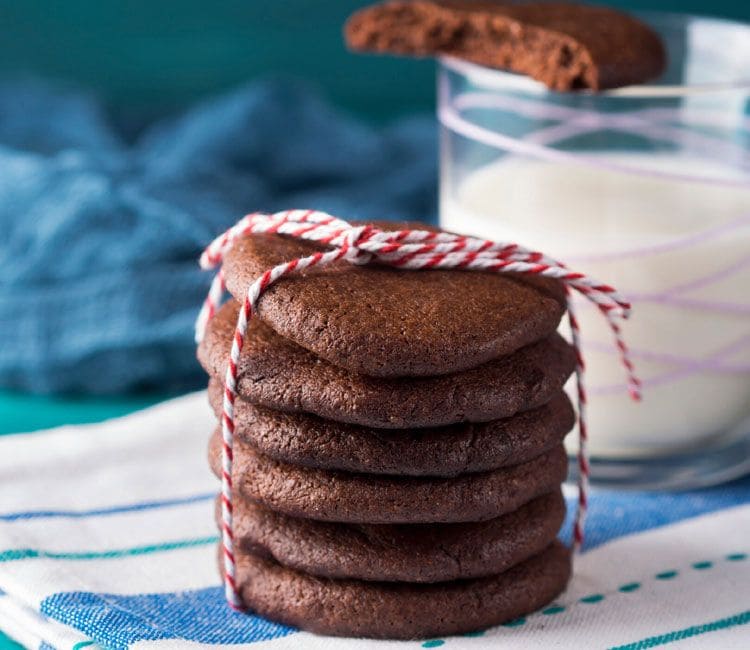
(275,373)
(369,498)
(310,441)
(400,610)
(386,322)
(564,45)
(406,553)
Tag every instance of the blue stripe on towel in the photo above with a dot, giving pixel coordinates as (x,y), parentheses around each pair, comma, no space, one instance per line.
(613,514)
(117,621)
(111,510)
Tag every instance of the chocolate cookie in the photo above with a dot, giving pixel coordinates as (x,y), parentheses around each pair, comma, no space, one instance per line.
(302,439)
(276,373)
(369,498)
(564,45)
(406,553)
(385,322)
(400,610)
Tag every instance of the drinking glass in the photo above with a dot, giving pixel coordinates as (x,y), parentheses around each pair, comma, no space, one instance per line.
(646,188)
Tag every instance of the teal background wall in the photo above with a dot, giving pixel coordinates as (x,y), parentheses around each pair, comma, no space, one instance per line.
(148,56)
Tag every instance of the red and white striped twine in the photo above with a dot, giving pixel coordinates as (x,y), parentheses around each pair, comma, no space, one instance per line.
(407,249)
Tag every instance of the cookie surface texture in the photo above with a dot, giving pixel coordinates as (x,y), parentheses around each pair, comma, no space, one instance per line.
(566,46)
(406,553)
(369,498)
(386,322)
(400,610)
(310,441)
(278,374)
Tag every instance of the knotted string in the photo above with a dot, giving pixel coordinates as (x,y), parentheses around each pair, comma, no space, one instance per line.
(406,249)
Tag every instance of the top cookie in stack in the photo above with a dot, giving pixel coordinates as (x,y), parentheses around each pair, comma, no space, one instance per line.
(383,322)
(398,451)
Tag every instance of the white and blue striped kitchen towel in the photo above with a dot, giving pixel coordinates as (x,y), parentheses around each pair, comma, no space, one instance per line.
(107,539)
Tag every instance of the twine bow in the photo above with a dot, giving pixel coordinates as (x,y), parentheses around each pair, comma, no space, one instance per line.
(407,249)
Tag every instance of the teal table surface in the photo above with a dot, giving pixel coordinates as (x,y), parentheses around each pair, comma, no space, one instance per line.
(7,644)
(20,412)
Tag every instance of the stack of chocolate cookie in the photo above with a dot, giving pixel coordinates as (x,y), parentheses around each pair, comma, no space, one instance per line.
(398,445)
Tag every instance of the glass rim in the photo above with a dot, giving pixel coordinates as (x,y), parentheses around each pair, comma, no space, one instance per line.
(494,78)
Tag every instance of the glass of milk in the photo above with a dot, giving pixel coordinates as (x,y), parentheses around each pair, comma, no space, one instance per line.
(646,188)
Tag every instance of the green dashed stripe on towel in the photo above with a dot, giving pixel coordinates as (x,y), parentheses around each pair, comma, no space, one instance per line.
(687,633)
(630,587)
(15,554)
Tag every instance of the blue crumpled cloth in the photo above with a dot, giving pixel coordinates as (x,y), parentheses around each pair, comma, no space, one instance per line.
(99,283)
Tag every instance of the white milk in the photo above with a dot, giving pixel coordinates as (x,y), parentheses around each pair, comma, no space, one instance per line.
(584,216)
